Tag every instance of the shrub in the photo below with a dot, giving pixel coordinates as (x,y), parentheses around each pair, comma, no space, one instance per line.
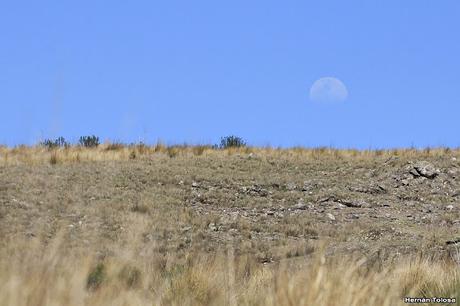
(89,141)
(96,277)
(115,146)
(59,142)
(132,155)
(53,158)
(131,276)
(231,142)
(172,151)
(142,148)
(199,150)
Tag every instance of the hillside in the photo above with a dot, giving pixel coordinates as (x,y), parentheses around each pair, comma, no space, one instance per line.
(192,225)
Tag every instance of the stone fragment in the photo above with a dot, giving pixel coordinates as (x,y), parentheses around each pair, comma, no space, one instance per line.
(330,216)
(426,169)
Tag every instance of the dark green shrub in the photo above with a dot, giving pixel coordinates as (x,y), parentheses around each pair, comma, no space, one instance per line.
(89,141)
(96,277)
(59,142)
(231,142)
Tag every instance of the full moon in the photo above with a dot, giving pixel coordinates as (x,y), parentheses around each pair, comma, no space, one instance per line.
(328,90)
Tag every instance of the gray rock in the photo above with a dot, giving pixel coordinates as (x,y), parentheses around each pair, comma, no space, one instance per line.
(291,186)
(330,216)
(405,182)
(414,172)
(453,241)
(300,206)
(311,185)
(426,169)
(213,227)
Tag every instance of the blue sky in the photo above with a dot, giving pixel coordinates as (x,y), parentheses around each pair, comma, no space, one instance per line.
(193,71)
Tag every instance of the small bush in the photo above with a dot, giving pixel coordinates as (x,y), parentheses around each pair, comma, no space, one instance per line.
(231,142)
(142,148)
(131,276)
(140,208)
(59,142)
(53,158)
(115,146)
(199,150)
(132,155)
(172,151)
(96,277)
(89,141)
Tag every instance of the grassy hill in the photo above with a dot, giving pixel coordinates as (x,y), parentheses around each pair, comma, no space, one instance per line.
(139,225)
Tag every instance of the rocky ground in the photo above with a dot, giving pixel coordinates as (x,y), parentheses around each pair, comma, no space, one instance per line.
(274,206)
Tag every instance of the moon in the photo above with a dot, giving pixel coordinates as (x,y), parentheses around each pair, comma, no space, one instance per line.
(328,90)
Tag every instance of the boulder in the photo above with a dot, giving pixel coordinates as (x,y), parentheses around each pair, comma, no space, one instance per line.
(425,169)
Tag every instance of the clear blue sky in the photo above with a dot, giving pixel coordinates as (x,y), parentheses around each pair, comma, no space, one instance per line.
(193,71)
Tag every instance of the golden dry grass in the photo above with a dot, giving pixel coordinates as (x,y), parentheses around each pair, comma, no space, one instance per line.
(126,225)
(31,155)
(32,274)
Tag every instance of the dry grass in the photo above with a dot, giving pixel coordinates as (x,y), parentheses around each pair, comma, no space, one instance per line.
(118,151)
(192,225)
(48,275)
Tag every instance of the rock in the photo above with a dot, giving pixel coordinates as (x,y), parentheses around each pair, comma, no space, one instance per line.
(405,182)
(426,169)
(213,227)
(454,254)
(355,204)
(453,241)
(371,189)
(195,185)
(330,216)
(354,216)
(300,206)
(450,207)
(310,185)
(414,172)
(256,191)
(327,199)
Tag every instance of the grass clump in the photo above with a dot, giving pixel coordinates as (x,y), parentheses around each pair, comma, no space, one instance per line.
(115,146)
(96,277)
(89,141)
(54,158)
(59,142)
(231,142)
(131,276)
